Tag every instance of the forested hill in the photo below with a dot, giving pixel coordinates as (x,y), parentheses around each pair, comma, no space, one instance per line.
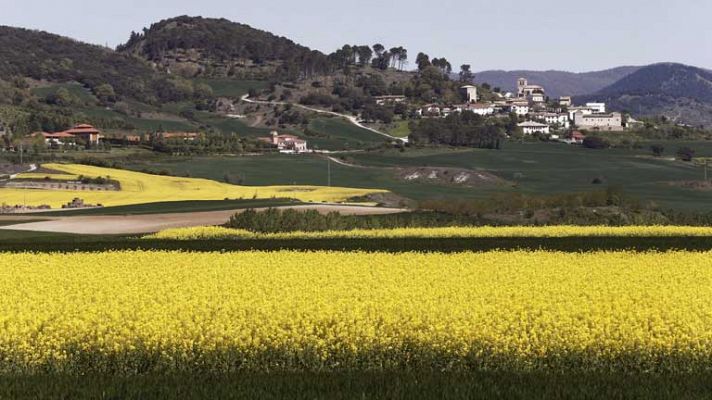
(557,83)
(47,57)
(197,46)
(680,92)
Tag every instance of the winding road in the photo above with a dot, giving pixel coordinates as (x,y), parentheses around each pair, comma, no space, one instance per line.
(352,119)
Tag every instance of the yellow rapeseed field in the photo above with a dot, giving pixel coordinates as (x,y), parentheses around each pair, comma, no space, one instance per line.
(220,233)
(143,311)
(139,188)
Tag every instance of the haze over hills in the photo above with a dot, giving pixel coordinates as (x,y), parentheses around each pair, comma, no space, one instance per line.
(557,83)
(680,92)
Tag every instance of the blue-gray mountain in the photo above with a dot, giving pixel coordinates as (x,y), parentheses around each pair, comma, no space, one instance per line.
(680,92)
(557,83)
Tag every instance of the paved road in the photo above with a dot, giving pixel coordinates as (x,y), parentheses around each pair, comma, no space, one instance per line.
(137,224)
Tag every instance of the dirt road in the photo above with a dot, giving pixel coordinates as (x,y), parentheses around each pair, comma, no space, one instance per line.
(352,119)
(136,224)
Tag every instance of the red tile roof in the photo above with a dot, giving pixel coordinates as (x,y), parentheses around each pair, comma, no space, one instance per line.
(82,128)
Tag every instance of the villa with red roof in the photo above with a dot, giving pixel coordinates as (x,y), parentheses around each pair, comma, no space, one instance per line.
(86,132)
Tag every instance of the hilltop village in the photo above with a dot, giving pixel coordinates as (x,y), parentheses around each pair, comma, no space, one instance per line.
(558,119)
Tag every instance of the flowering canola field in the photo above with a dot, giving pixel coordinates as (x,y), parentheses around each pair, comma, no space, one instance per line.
(142,311)
(221,233)
(140,188)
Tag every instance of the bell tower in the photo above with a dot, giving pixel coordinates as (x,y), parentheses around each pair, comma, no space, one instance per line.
(521,84)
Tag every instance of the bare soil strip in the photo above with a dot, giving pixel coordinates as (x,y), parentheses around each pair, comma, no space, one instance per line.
(138,224)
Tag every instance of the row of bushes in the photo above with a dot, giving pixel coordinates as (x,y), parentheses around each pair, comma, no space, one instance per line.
(606,207)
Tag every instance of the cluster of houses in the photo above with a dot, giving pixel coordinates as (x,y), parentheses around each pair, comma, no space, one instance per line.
(88,134)
(85,133)
(531,103)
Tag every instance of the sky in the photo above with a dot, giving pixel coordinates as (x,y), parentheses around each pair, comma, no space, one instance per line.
(569,35)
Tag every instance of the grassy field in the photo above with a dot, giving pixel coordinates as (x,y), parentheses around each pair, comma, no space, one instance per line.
(303,170)
(358,386)
(75,89)
(140,188)
(171,207)
(339,134)
(399,129)
(532,168)
(232,87)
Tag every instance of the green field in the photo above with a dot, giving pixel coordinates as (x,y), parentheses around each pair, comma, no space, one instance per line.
(75,89)
(339,134)
(399,129)
(231,87)
(172,207)
(312,386)
(531,168)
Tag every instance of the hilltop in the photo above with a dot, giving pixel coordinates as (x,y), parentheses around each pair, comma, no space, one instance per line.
(209,47)
(679,92)
(557,83)
(46,57)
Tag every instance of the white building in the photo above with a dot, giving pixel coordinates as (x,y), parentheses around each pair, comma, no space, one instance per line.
(565,101)
(389,99)
(531,127)
(599,108)
(518,109)
(470,93)
(286,143)
(482,109)
(602,122)
(429,110)
(553,119)
(574,110)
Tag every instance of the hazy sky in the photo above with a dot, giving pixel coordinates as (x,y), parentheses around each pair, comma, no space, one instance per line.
(571,35)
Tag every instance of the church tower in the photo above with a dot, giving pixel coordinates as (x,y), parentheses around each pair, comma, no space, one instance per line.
(521,84)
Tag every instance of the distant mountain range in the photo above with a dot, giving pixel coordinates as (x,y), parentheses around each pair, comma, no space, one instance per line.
(556,83)
(680,92)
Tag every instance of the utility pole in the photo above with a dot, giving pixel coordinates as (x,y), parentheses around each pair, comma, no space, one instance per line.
(706,161)
(328,168)
(20,152)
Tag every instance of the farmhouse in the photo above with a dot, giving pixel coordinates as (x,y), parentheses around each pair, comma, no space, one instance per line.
(85,132)
(286,143)
(531,127)
(55,139)
(603,122)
